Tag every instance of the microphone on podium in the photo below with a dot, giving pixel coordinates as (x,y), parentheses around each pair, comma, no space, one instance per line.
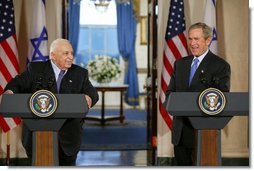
(38,83)
(203,78)
(214,82)
(51,82)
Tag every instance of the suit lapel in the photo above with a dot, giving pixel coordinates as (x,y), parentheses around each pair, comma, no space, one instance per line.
(201,68)
(50,76)
(67,82)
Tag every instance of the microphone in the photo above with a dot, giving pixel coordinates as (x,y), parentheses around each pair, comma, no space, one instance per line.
(38,83)
(203,79)
(215,82)
(51,82)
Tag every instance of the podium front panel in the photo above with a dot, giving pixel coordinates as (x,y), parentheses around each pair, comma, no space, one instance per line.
(186,104)
(209,122)
(69,106)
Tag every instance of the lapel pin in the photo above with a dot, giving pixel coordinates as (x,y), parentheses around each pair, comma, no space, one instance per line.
(70,81)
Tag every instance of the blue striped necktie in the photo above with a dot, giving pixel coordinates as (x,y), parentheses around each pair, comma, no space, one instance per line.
(59,80)
(193,69)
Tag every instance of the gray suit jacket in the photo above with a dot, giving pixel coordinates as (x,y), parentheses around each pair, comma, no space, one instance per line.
(213,71)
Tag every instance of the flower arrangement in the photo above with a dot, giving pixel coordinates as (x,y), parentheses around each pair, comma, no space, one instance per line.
(103,69)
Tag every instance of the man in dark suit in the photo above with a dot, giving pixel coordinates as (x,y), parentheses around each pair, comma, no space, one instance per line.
(44,75)
(212,71)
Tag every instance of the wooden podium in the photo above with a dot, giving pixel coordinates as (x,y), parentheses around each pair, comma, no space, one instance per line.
(208,128)
(44,130)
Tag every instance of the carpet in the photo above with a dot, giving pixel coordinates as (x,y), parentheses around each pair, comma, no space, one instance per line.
(130,135)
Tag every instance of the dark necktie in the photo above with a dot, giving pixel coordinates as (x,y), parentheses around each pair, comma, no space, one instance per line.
(59,80)
(193,69)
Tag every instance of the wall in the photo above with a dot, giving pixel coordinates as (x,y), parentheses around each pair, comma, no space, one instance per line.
(233,33)
(141,55)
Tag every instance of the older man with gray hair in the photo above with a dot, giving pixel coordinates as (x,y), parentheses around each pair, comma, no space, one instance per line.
(74,80)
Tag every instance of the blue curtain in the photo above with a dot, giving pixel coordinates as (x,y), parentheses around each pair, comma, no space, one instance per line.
(126,31)
(73,25)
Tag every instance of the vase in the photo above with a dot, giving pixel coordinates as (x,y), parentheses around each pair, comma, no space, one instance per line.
(105,82)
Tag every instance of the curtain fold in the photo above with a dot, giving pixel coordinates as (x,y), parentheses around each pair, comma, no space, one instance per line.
(126,31)
(73,24)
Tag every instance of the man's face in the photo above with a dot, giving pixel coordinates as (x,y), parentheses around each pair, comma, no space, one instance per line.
(197,42)
(63,56)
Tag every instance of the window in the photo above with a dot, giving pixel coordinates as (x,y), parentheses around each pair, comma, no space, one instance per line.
(98,32)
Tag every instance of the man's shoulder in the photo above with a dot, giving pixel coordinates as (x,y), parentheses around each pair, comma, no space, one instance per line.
(37,65)
(77,68)
(189,57)
(217,59)
(184,59)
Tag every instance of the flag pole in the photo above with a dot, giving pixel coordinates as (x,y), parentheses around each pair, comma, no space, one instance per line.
(8,149)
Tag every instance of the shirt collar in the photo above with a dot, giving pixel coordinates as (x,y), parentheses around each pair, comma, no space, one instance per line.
(201,57)
(56,69)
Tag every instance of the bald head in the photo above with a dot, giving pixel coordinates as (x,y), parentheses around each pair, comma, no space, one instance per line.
(61,53)
(57,43)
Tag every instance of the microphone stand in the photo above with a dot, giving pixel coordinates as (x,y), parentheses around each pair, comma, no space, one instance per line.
(203,79)
(50,83)
(38,83)
(215,82)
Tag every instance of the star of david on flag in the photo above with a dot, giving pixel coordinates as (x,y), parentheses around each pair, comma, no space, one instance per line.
(38,40)
(210,20)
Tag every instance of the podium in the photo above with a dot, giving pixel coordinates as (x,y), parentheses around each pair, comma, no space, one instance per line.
(208,128)
(44,130)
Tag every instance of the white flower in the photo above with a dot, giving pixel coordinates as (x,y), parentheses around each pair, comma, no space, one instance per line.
(103,69)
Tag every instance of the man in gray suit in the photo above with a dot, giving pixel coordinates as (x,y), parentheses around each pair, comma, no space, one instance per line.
(212,71)
(44,75)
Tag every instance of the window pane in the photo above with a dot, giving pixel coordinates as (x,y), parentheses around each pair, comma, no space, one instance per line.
(97,38)
(98,33)
(111,42)
(83,50)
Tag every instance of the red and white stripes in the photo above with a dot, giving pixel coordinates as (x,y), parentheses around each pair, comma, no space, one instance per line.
(174,49)
(9,68)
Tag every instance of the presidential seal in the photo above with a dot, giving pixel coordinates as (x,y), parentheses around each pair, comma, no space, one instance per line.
(212,101)
(43,103)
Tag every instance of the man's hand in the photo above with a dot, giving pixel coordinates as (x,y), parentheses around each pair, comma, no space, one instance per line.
(6,92)
(89,101)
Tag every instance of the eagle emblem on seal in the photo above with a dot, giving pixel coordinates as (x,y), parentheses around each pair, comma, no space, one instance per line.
(212,101)
(43,103)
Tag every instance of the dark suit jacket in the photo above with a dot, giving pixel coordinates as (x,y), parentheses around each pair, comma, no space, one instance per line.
(213,71)
(40,75)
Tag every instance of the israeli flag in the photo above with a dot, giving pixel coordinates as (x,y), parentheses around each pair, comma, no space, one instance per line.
(210,20)
(38,38)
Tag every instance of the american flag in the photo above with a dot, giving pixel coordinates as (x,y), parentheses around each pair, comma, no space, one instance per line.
(9,64)
(175,47)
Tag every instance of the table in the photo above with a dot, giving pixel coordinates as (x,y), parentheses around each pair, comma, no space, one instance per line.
(103,89)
